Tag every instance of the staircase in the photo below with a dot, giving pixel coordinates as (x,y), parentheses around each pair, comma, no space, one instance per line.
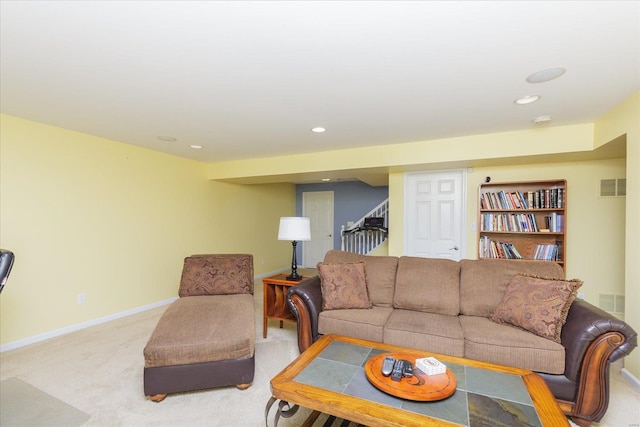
(357,240)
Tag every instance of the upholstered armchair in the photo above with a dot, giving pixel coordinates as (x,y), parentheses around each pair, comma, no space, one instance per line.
(206,338)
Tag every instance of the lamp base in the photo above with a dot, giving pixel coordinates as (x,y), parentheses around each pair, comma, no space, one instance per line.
(295,277)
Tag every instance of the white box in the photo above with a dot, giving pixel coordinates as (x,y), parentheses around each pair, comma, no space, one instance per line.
(431,366)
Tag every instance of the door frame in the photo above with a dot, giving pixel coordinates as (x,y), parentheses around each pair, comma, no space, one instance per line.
(463,207)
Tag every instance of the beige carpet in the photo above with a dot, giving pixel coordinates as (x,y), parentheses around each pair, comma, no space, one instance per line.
(97,373)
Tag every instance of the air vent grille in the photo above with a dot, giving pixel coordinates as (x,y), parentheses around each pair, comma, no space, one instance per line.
(622,187)
(613,187)
(611,303)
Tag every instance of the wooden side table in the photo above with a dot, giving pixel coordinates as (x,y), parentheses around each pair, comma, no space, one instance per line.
(275,305)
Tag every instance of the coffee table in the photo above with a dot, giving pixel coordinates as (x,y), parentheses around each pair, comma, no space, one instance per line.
(329,378)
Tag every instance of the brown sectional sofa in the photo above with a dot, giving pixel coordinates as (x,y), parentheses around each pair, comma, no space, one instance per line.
(444,306)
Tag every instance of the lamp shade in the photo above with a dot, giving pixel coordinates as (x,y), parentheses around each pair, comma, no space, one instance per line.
(294,228)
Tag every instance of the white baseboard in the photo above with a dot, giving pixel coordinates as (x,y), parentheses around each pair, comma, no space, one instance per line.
(72,328)
(78,326)
(272,273)
(630,379)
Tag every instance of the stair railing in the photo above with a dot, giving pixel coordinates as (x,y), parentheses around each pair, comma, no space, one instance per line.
(365,241)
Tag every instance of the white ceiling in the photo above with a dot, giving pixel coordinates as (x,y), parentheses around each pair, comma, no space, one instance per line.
(250,79)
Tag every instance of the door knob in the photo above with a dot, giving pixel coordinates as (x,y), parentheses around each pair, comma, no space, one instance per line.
(455,248)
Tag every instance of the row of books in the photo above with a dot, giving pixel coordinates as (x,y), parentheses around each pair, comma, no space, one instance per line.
(494,249)
(547,252)
(552,198)
(509,222)
(521,223)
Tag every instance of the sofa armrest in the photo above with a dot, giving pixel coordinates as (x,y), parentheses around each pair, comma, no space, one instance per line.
(305,302)
(592,339)
(587,323)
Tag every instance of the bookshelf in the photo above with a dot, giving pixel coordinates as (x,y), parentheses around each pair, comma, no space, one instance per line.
(523,220)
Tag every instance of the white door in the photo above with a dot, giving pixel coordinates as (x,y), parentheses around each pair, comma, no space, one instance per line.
(434,211)
(318,207)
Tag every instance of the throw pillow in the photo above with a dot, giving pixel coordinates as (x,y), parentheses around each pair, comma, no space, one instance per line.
(216,275)
(343,286)
(537,305)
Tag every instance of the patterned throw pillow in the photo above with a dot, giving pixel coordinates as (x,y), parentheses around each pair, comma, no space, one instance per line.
(537,305)
(344,286)
(217,275)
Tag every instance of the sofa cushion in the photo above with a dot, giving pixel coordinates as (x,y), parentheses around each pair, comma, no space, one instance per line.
(484,282)
(381,274)
(217,275)
(428,284)
(506,345)
(439,333)
(363,324)
(343,285)
(537,305)
(203,329)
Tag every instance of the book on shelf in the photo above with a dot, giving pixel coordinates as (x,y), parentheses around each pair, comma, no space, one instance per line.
(546,252)
(489,248)
(510,222)
(495,249)
(555,222)
(552,198)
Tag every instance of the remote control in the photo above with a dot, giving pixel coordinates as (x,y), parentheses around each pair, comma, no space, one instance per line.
(387,365)
(407,370)
(398,368)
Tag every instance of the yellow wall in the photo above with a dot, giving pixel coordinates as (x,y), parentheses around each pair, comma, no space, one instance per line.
(89,215)
(398,157)
(625,120)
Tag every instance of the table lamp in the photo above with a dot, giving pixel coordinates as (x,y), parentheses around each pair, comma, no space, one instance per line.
(294,228)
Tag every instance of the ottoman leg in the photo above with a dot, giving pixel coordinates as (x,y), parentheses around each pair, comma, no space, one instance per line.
(158,397)
(243,386)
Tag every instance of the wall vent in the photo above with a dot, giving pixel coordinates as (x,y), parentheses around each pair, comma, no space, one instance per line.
(612,303)
(613,187)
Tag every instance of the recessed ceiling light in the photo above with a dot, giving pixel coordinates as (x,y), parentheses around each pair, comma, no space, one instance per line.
(326,179)
(196,147)
(542,120)
(546,75)
(527,99)
(167,138)
(318,130)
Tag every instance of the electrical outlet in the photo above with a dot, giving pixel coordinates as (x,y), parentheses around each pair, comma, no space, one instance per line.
(581,295)
(82,298)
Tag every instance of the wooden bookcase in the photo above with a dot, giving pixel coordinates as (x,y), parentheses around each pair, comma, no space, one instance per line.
(523,220)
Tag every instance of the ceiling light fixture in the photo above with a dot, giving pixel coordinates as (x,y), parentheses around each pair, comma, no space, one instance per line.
(167,138)
(318,129)
(546,75)
(326,179)
(527,99)
(196,147)
(541,120)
